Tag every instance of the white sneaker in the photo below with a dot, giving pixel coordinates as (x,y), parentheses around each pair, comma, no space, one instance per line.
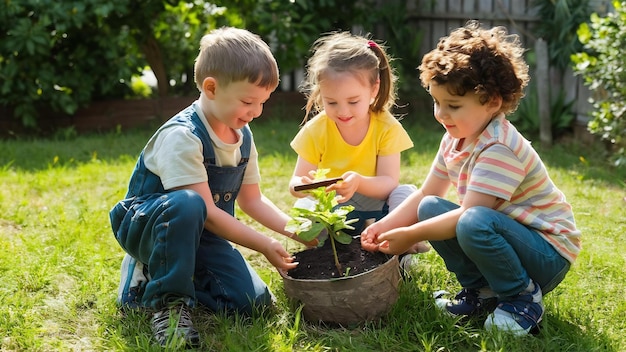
(518,315)
(407,263)
(133,279)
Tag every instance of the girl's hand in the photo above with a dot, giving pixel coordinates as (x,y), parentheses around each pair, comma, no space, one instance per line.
(278,256)
(346,188)
(311,176)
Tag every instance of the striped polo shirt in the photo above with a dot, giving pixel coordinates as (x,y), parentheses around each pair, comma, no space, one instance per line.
(502,163)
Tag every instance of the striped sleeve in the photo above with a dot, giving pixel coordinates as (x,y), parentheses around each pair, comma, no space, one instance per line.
(497,172)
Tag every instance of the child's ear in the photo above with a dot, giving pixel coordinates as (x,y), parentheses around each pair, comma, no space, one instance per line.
(375,89)
(495,104)
(209,85)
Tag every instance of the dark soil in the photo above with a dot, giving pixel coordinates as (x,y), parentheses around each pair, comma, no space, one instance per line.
(319,263)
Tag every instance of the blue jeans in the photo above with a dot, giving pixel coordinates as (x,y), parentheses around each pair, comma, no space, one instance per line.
(186,262)
(492,250)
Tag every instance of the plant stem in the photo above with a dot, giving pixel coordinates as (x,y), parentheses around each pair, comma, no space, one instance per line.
(332,243)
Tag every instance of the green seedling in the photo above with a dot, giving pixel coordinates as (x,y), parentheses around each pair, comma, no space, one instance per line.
(308,224)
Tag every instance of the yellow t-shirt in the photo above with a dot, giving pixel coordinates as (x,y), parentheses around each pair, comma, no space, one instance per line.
(320,143)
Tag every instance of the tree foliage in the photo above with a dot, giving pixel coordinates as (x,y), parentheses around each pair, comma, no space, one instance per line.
(60,55)
(292,26)
(603,66)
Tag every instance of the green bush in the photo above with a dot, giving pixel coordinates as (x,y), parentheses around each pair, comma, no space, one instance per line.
(61,55)
(603,66)
(58,55)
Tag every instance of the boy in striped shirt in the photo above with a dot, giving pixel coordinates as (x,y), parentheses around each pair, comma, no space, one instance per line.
(512,238)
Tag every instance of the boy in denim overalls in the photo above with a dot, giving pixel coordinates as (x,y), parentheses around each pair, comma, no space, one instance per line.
(177,219)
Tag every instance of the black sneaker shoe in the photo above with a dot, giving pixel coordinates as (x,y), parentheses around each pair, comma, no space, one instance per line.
(466,303)
(175,320)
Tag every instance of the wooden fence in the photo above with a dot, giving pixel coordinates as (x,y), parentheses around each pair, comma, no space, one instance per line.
(437,18)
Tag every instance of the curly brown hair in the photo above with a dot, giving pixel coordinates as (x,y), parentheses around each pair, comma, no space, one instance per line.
(488,62)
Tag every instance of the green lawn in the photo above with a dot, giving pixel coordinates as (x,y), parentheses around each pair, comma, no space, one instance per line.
(60,263)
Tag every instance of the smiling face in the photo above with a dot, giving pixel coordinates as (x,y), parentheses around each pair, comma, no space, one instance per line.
(463,116)
(346,98)
(236,104)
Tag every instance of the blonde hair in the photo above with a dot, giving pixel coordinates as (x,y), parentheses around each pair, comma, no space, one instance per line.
(232,55)
(489,62)
(345,52)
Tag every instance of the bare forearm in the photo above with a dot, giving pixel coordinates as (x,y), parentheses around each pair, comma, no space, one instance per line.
(378,187)
(439,228)
(231,229)
(267,214)
(404,215)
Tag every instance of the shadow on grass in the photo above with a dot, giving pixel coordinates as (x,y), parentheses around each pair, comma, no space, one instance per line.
(416,317)
(43,154)
(272,136)
(218,332)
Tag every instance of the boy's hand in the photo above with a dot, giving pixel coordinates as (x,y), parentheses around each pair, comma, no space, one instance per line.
(369,238)
(395,241)
(278,256)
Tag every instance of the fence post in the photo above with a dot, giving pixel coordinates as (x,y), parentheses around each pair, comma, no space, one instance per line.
(543,92)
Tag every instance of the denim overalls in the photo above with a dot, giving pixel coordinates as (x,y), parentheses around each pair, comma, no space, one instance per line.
(165,231)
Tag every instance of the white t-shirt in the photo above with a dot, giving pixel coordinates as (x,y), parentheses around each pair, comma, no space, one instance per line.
(175,155)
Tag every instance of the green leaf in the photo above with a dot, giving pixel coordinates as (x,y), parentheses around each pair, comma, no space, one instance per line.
(584,34)
(313,232)
(298,224)
(342,237)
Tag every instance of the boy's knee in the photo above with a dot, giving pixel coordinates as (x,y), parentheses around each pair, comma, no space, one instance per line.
(429,207)
(472,223)
(187,203)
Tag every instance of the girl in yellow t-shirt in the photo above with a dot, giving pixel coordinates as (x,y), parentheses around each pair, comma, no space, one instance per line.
(350,85)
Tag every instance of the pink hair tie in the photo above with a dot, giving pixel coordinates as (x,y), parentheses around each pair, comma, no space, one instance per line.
(372,44)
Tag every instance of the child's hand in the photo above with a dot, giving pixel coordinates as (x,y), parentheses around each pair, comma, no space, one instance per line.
(369,237)
(310,244)
(395,241)
(346,188)
(310,178)
(278,256)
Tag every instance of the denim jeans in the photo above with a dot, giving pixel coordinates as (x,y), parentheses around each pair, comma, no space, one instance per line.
(492,250)
(224,280)
(166,232)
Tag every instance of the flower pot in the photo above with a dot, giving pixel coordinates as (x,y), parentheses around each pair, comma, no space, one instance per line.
(347,300)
